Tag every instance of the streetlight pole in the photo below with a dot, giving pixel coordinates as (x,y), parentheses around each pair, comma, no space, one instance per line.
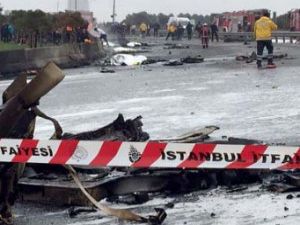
(114,12)
(57,5)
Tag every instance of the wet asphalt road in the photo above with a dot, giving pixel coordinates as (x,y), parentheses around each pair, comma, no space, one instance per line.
(244,102)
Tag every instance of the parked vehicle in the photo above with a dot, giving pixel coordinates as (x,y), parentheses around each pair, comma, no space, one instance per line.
(180,20)
(294,19)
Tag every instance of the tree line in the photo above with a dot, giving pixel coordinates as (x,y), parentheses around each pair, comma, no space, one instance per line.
(162,19)
(35,26)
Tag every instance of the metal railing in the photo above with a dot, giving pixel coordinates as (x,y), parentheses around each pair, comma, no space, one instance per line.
(277,35)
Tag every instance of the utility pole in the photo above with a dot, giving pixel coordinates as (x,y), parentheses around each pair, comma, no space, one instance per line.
(76,5)
(57,5)
(114,12)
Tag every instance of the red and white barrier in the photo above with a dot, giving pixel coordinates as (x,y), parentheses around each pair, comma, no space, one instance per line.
(149,154)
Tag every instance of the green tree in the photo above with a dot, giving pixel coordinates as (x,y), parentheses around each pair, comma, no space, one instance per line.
(186,15)
(283,22)
(2,19)
(163,19)
(64,19)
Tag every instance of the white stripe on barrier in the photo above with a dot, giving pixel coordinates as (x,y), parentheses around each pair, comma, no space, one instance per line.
(172,152)
(5,147)
(128,153)
(53,144)
(85,153)
(273,157)
(221,150)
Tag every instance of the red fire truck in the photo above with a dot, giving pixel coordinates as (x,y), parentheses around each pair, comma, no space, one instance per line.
(294,19)
(230,21)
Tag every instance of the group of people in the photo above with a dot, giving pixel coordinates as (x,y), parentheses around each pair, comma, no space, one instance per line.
(59,36)
(204,31)
(147,29)
(7,32)
(263,29)
(176,31)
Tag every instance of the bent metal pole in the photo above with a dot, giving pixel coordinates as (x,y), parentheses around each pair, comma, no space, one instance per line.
(15,107)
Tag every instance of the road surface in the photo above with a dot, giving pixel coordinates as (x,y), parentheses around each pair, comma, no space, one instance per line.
(235,96)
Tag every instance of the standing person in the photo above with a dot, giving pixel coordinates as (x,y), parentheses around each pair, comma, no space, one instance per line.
(10,32)
(133,30)
(239,27)
(204,35)
(214,32)
(4,32)
(143,29)
(171,31)
(198,28)
(263,34)
(149,27)
(247,28)
(156,28)
(189,30)
(180,32)
(102,36)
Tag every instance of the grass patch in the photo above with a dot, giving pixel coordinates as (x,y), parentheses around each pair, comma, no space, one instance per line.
(10,46)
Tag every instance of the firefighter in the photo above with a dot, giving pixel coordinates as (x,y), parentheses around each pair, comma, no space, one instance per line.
(69,30)
(205,35)
(180,32)
(143,29)
(172,28)
(189,30)
(156,28)
(214,32)
(247,28)
(263,34)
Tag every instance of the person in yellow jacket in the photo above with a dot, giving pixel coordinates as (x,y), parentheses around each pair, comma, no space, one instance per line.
(172,28)
(143,29)
(263,34)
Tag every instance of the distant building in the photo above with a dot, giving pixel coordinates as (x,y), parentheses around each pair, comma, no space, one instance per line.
(7,12)
(78,5)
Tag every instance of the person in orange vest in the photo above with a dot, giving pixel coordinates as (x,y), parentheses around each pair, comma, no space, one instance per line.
(69,30)
(204,35)
(263,34)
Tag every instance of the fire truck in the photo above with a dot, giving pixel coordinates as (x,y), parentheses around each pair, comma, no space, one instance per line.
(231,21)
(294,19)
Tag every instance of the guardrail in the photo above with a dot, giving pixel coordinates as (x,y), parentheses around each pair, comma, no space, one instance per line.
(284,35)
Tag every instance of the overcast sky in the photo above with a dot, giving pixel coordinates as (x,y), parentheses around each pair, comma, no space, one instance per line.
(103,8)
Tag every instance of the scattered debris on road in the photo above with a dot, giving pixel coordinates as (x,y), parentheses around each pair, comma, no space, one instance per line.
(176,46)
(252,57)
